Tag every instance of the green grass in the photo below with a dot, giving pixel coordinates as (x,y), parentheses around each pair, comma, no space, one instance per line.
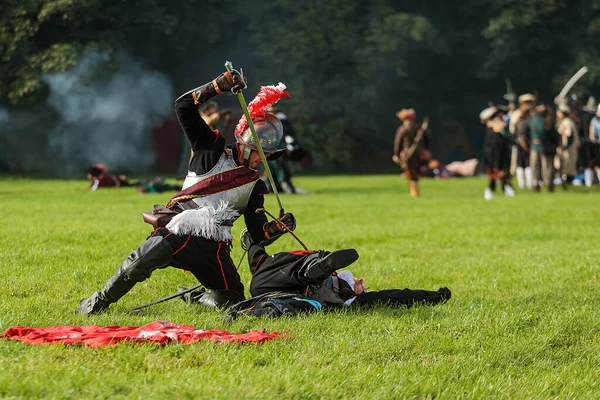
(523,321)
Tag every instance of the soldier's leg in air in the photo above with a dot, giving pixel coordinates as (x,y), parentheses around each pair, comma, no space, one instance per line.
(281,272)
(151,255)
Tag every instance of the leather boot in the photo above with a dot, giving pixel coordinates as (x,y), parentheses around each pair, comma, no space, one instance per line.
(216,299)
(153,254)
(318,268)
(413,187)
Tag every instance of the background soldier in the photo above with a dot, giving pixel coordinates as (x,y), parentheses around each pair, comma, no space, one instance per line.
(496,152)
(411,148)
(591,142)
(544,140)
(566,153)
(520,154)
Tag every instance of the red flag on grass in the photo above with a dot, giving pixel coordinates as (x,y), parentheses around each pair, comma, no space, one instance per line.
(160,332)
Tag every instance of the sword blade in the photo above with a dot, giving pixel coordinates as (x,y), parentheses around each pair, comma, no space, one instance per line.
(244,106)
(572,82)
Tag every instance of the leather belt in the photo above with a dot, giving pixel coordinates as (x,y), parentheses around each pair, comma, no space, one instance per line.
(187,205)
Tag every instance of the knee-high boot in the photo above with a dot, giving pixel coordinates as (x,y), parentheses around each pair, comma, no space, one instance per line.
(413,187)
(151,255)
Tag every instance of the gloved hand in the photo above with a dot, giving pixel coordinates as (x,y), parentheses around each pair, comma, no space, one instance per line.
(274,228)
(229,80)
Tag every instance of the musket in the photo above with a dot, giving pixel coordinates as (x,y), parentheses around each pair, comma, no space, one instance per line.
(244,106)
(413,147)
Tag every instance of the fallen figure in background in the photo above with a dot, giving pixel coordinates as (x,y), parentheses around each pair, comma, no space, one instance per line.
(456,169)
(302,281)
(100,178)
(156,185)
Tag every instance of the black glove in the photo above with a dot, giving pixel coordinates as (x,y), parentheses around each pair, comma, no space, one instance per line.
(275,228)
(227,81)
(221,84)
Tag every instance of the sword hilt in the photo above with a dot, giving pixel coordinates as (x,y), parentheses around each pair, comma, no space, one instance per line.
(229,68)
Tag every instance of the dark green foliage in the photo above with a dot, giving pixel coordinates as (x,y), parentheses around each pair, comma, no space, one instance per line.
(349,65)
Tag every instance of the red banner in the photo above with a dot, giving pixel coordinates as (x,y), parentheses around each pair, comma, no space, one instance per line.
(160,332)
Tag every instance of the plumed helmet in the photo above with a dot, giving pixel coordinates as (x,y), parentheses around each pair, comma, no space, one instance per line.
(268,130)
(268,127)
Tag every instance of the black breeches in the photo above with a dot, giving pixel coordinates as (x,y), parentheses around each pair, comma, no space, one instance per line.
(590,154)
(208,260)
(522,158)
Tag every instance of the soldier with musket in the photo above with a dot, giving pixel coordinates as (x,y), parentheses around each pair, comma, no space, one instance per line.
(411,148)
(222,184)
(519,121)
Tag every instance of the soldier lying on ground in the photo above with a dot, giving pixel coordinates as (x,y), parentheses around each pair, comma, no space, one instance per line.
(311,275)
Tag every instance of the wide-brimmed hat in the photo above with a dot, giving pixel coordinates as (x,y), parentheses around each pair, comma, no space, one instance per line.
(406,113)
(527,97)
(590,106)
(487,114)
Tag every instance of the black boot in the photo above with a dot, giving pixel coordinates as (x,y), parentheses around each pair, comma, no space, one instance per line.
(320,267)
(153,254)
(216,299)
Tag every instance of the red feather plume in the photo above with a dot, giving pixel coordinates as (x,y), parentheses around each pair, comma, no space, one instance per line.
(266,97)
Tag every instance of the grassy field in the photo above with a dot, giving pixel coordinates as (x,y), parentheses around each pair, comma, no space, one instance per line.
(523,321)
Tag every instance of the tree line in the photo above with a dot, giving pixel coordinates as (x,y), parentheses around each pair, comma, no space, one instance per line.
(349,65)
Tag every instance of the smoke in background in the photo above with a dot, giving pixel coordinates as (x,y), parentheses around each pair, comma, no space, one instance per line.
(91,116)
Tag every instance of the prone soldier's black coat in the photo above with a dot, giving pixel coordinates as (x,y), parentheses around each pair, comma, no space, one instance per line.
(284,272)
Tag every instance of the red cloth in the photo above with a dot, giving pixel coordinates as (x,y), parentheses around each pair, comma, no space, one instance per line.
(160,332)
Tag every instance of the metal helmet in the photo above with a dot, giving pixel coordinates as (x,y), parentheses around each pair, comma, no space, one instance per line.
(269,131)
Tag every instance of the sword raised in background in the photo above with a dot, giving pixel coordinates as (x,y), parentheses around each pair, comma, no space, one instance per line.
(569,84)
(242,101)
